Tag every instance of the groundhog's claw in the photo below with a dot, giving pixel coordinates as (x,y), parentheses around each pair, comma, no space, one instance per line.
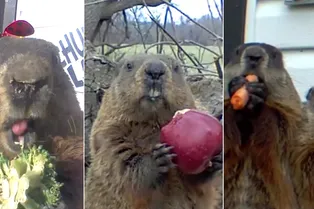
(258,94)
(163,157)
(257,91)
(235,84)
(216,164)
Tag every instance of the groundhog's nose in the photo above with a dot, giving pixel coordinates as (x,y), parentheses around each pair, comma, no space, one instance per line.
(155,70)
(254,55)
(25,91)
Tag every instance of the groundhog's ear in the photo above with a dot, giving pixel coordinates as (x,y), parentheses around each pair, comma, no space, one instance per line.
(275,53)
(309,93)
(55,56)
(237,51)
(56,59)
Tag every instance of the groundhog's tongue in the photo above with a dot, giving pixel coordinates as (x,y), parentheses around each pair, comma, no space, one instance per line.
(19,128)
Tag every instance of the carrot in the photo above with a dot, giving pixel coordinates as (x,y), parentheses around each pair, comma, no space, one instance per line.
(251,78)
(241,96)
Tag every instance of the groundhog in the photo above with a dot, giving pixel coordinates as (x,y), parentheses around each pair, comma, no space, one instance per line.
(130,168)
(268,145)
(37,98)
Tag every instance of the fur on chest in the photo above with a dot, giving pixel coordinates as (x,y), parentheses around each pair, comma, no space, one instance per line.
(143,135)
(258,180)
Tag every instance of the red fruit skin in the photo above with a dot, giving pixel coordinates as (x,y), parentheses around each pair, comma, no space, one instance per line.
(196,138)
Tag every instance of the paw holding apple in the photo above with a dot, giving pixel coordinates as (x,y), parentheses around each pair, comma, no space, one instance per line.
(196,138)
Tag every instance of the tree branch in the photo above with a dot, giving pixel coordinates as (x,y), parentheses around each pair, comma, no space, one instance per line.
(104,9)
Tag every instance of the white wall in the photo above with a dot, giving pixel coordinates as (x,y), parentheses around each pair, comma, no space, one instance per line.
(53,20)
(290,29)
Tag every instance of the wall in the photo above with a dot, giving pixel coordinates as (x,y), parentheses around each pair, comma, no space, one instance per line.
(9,12)
(2,4)
(289,28)
(62,23)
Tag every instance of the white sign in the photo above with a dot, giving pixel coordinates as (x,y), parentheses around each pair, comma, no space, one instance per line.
(62,23)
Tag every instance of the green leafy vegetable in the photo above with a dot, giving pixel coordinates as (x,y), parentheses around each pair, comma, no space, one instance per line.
(29,180)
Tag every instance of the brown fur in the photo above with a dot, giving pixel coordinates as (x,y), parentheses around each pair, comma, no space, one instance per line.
(129,125)
(69,153)
(54,108)
(264,172)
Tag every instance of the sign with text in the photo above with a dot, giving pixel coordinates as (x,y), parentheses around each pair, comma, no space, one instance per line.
(64,30)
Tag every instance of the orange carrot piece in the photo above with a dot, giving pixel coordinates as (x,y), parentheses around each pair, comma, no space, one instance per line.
(241,96)
(251,78)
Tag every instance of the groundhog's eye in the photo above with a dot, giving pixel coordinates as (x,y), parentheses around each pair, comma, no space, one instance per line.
(176,68)
(237,51)
(129,66)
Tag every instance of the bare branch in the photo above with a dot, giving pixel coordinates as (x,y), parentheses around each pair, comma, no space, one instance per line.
(165,24)
(138,27)
(202,46)
(153,19)
(203,74)
(218,67)
(200,68)
(96,2)
(126,24)
(174,31)
(218,10)
(102,60)
(182,42)
(98,11)
(196,23)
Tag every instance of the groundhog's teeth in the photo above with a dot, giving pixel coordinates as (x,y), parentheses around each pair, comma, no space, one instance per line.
(154,93)
(21,140)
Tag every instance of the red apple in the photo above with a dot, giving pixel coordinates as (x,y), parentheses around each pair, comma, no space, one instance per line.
(196,138)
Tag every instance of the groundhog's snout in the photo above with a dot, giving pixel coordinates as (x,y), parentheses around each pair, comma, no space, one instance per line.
(25,91)
(155,70)
(254,55)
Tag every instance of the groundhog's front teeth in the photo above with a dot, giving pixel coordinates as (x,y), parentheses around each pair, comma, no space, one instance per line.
(153,93)
(20,141)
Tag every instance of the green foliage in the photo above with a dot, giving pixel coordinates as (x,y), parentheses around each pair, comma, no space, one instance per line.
(29,180)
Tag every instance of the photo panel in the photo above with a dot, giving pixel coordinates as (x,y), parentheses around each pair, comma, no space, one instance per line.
(268,104)
(41,104)
(153,104)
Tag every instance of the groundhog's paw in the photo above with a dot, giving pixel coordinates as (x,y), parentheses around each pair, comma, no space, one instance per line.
(163,157)
(257,92)
(209,173)
(216,164)
(235,84)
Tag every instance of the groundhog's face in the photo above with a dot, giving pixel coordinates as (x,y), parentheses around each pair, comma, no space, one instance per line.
(266,62)
(151,84)
(256,57)
(25,89)
(263,60)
